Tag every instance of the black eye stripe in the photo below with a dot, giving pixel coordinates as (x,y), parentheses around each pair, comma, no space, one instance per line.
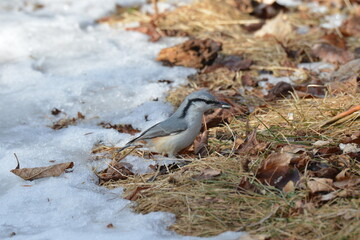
(186,109)
(203,100)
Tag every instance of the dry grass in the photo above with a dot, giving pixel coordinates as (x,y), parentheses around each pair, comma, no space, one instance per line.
(210,207)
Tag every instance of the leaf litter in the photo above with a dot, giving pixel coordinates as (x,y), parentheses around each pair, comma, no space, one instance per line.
(272,165)
(41,172)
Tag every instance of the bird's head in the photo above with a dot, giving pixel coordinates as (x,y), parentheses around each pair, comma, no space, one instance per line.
(200,101)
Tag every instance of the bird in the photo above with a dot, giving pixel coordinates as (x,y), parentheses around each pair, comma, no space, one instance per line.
(181,128)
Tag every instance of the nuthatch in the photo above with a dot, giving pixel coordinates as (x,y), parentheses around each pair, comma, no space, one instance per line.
(181,128)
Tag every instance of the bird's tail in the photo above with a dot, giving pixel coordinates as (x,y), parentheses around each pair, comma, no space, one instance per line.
(124,147)
(129,145)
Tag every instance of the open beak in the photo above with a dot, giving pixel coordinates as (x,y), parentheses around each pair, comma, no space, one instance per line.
(224,105)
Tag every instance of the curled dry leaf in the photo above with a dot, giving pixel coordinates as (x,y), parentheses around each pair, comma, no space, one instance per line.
(194,53)
(351,26)
(208,173)
(42,172)
(276,171)
(281,89)
(320,185)
(335,40)
(354,138)
(344,80)
(115,171)
(232,62)
(331,54)
(251,146)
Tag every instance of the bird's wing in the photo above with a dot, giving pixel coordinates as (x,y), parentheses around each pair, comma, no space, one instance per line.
(162,129)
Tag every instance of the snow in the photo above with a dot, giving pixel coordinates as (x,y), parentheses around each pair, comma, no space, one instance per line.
(56,56)
(333,21)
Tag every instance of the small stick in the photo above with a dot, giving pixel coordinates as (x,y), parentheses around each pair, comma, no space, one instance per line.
(341,115)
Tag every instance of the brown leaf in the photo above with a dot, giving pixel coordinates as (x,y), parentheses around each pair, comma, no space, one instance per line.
(344,80)
(335,40)
(346,180)
(320,185)
(110,225)
(354,138)
(115,171)
(150,29)
(122,128)
(276,171)
(136,194)
(251,146)
(281,89)
(248,80)
(331,54)
(327,172)
(245,185)
(201,143)
(42,172)
(208,173)
(231,62)
(351,26)
(194,53)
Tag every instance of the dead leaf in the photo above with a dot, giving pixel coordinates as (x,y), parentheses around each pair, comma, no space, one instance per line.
(331,54)
(351,26)
(136,194)
(281,89)
(354,138)
(110,225)
(231,62)
(42,172)
(251,146)
(279,27)
(245,185)
(335,40)
(201,143)
(248,80)
(276,171)
(327,172)
(116,171)
(122,128)
(207,174)
(194,53)
(150,29)
(320,185)
(344,80)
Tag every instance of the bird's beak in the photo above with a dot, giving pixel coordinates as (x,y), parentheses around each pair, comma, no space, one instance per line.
(224,105)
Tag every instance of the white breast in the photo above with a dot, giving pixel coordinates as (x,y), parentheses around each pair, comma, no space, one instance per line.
(172,144)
